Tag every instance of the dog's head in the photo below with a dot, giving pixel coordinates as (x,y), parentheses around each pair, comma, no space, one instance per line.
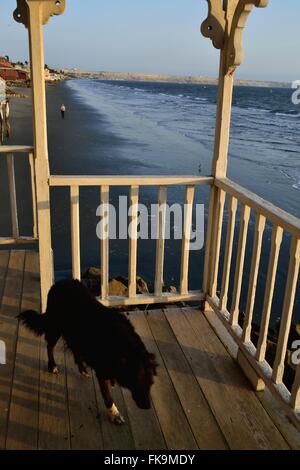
(139,378)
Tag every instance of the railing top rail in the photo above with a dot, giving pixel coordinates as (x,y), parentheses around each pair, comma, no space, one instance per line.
(128,180)
(276,215)
(5,149)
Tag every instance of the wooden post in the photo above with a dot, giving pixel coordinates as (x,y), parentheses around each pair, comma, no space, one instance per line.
(295,395)
(34,14)
(239,267)
(75,232)
(133,227)
(224,26)
(257,244)
(276,240)
(186,237)
(36,42)
(219,164)
(33,195)
(287,313)
(13,196)
(228,253)
(222,133)
(104,243)
(160,242)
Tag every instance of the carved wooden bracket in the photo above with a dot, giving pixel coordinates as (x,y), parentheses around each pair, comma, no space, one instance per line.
(48,8)
(225,28)
(214,25)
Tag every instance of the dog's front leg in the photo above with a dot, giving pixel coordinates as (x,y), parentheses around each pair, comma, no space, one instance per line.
(52,336)
(113,412)
(52,367)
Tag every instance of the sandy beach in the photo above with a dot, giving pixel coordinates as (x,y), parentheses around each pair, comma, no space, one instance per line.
(82,143)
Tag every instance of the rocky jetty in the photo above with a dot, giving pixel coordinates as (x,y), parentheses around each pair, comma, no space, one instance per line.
(118,286)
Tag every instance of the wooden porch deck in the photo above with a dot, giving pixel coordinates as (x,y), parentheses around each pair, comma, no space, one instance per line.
(201,398)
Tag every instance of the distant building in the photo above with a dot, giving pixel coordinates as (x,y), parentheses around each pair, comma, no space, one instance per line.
(9,72)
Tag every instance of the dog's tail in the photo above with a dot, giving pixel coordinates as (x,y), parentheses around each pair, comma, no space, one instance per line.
(34,321)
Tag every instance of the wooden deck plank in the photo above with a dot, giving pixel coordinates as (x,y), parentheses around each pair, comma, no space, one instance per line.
(145,426)
(23,418)
(201,419)
(4,259)
(54,425)
(10,307)
(196,373)
(244,422)
(166,402)
(85,428)
(115,437)
(278,416)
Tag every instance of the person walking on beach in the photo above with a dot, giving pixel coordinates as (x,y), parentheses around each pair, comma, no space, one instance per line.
(62,111)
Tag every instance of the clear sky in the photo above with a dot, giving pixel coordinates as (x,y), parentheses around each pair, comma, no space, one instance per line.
(159,36)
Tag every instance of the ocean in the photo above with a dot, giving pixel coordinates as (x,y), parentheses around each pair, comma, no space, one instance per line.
(119,127)
(265,125)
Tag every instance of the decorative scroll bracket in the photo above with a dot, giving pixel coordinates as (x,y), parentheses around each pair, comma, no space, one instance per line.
(48,8)
(225,27)
(214,25)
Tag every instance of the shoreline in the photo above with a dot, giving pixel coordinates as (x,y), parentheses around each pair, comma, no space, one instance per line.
(71,74)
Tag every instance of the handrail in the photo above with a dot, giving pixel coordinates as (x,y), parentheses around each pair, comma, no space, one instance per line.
(16,149)
(253,358)
(278,216)
(18,241)
(150,299)
(127,180)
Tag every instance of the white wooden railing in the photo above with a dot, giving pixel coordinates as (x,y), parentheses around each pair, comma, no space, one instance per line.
(9,152)
(281,222)
(216,299)
(135,182)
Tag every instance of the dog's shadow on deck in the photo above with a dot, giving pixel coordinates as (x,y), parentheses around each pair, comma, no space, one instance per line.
(203,365)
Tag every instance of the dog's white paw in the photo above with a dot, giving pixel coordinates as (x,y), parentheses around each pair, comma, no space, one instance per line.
(54,370)
(85,375)
(115,416)
(117,419)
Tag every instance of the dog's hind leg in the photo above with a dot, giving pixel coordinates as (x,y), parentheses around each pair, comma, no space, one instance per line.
(113,412)
(81,367)
(51,339)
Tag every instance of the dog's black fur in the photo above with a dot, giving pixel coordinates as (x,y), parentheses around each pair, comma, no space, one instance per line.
(100,337)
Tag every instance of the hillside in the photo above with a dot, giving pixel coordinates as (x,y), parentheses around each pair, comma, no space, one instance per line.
(128,76)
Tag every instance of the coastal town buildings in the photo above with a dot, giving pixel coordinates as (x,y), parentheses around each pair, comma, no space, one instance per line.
(20,72)
(8,71)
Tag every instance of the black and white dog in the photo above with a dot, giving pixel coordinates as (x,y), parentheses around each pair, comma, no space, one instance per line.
(100,338)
